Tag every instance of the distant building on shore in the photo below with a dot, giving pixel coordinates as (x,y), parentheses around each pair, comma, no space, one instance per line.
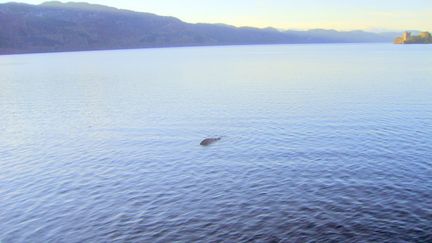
(408,38)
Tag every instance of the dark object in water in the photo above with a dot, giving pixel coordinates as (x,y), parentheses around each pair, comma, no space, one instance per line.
(209,141)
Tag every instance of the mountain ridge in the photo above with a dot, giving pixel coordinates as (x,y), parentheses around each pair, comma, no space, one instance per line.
(79,26)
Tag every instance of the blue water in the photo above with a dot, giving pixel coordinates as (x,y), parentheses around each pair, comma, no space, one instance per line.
(322,143)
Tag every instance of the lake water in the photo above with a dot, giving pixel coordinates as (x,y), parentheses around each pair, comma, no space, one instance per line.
(327,143)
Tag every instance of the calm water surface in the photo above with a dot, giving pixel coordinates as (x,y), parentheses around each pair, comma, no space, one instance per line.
(324,143)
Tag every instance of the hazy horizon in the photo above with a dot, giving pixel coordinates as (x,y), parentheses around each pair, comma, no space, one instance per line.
(367,15)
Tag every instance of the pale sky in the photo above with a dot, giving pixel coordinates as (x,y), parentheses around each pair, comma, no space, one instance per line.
(290,14)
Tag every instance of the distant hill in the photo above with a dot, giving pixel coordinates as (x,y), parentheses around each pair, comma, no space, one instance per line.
(56,26)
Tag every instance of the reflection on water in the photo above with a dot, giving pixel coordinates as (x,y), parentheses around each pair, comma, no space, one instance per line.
(321,142)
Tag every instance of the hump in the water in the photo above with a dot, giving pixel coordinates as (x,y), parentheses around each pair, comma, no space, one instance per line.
(209,141)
